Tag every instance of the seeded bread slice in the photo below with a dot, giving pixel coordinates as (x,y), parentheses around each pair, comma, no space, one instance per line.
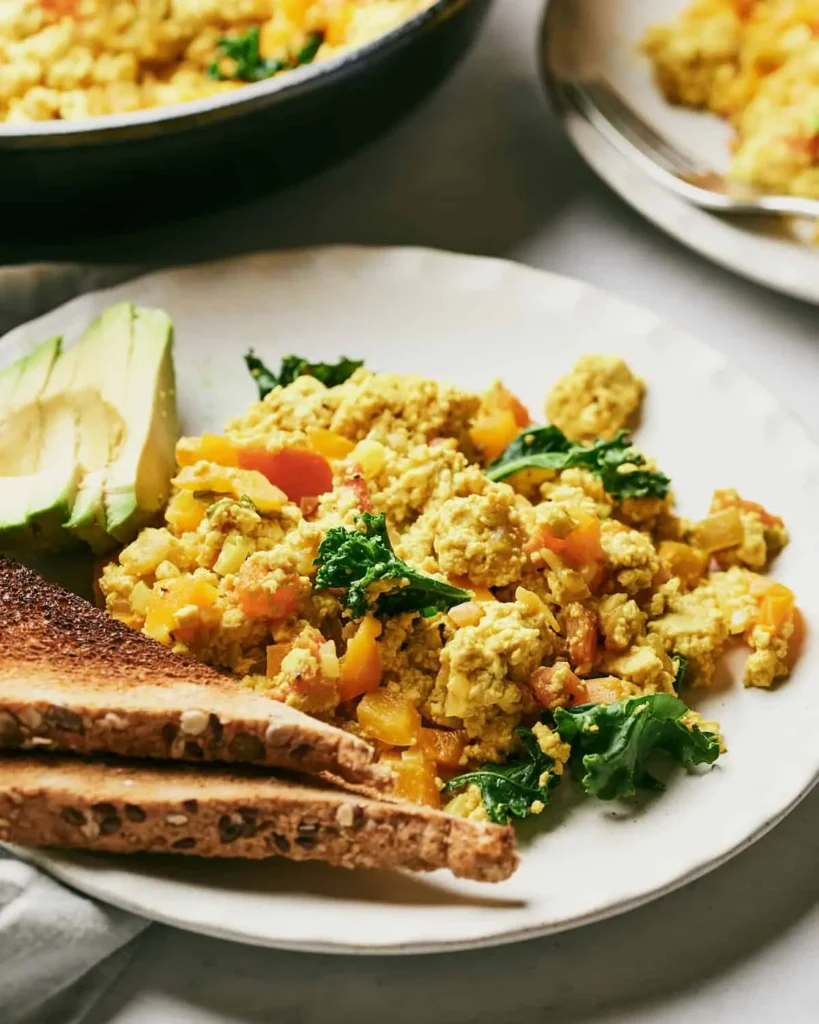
(71,678)
(210,811)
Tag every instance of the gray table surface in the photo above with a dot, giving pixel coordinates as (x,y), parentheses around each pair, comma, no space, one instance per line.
(483,168)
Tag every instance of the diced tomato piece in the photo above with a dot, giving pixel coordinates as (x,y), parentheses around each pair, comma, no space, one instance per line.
(557,686)
(299,472)
(258,601)
(580,548)
(581,634)
(388,717)
(354,479)
(444,746)
(360,667)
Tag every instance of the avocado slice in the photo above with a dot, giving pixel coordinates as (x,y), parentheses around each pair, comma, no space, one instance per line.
(137,482)
(38,467)
(109,341)
(87,436)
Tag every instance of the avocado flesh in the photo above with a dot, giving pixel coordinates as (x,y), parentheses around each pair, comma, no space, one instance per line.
(109,341)
(137,482)
(37,491)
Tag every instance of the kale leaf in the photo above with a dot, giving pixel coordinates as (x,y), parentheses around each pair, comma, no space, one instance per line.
(611,743)
(355,559)
(509,790)
(243,50)
(680,668)
(549,448)
(330,374)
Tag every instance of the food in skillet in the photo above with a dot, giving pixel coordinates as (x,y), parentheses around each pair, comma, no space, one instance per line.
(72,59)
(485,600)
(754,63)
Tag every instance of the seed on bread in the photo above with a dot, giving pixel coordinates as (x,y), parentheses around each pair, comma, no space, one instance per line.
(193,722)
(176,819)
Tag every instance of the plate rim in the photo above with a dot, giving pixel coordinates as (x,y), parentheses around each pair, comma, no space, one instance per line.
(60,866)
(687,224)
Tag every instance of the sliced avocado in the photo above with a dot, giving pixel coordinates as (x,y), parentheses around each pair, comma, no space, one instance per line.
(38,468)
(109,341)
(138,481)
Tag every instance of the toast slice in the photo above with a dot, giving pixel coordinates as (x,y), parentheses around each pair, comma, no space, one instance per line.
(211,811)
(73,679)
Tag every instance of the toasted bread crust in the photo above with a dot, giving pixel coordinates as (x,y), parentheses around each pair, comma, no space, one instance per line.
(130,807)
(73,679)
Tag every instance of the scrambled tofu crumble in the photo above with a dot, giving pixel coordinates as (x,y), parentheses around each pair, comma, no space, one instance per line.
(346,550)
(755,63)
(72,59)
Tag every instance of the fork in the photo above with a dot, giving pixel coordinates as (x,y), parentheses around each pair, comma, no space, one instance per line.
(612,117)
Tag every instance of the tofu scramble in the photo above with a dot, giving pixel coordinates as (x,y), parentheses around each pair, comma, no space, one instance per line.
(72,59)
(473,594)
(755,63)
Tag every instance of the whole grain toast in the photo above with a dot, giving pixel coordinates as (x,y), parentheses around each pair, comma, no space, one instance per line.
(212,811)
(73,679)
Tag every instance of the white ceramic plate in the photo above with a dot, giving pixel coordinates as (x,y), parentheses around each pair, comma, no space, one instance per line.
(602,36)
(468,320)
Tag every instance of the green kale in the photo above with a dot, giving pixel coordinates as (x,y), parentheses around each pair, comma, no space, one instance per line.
(243,50)
(680,668)
(611,743)
(265,379)
(354,560)
(549,448)
(330,374)
(509,790)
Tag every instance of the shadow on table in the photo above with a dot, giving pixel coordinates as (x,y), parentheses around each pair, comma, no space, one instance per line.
(621,966)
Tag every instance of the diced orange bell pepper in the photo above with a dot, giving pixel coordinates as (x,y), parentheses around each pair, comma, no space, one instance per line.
(719,531)
(360,667)
(444,746)
(328,443)
(580,548)
(478,593)
(207,448)
(184,512)
(275,656)
(415,777)
(500,397)
(168,598)
(299,472)
(388,717)
(683,561)
(775,607)
(493,432)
